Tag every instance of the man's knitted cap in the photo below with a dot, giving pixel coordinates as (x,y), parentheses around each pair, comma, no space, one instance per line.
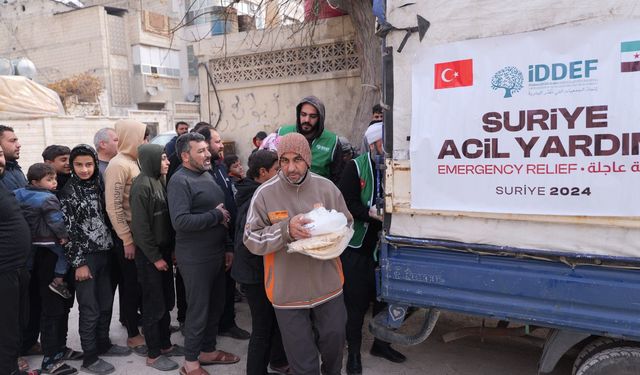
(296,143)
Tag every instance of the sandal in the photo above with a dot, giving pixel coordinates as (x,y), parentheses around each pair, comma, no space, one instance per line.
(218,357)
(198,371)
(140,350)
(23,365)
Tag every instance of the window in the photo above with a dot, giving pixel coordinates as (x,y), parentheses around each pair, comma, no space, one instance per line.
(156,60)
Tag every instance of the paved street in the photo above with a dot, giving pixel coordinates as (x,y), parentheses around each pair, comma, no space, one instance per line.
(468,356)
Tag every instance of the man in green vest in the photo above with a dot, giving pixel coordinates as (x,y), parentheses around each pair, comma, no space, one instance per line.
(326,151)
(359,189)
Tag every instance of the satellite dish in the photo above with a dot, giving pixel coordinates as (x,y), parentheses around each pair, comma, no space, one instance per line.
(191,98)
(152,90)
(6,68)
(25,67)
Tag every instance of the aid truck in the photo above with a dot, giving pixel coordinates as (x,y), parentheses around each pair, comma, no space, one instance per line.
(512,171)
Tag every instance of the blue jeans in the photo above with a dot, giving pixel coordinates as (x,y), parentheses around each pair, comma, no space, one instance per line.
(62,266)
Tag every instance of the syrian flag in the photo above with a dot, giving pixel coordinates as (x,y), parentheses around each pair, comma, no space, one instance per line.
(630,56)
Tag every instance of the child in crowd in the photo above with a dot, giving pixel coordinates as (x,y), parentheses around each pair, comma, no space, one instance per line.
(83,205)
(236,171)
(42,210)
(58,157)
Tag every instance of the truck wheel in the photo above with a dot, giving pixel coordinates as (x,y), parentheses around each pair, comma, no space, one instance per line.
(596,345)
(623,360)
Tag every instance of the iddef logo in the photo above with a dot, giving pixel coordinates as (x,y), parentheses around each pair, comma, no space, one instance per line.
(560,71)
(509,79)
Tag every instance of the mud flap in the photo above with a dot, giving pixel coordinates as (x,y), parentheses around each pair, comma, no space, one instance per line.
(384,325)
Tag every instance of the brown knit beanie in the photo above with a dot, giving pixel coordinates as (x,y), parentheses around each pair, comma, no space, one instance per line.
(296,143)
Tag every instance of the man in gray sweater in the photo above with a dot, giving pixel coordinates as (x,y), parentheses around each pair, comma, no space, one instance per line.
(200,221)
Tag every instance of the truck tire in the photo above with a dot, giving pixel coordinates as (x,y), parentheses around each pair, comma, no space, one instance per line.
(623,360)
(596,345)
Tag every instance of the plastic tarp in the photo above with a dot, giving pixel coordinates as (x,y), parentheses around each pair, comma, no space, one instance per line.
(21,97)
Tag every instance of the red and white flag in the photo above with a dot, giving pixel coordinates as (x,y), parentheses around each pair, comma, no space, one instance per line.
(453,74)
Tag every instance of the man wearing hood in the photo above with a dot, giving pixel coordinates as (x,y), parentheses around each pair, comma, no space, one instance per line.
(326,151)
(154,238)
(119,175)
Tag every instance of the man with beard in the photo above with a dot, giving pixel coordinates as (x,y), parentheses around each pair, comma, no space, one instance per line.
(359,188)
(228,326)
(13,177)
(198,215)
(306,292)
(15,244)
(326,151)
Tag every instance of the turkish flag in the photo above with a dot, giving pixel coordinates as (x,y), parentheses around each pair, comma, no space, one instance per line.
(453,74)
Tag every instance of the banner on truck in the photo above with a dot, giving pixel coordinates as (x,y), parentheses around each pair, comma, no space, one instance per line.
(545,122)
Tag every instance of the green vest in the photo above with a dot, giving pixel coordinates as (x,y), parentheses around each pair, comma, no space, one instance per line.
(365,173)
(322,149)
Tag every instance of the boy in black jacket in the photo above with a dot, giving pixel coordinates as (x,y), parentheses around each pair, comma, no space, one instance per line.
(88,252)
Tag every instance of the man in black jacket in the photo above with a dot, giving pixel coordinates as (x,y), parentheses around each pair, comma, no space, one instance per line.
(360,187)
(13,176)
(15,244)
(265,344)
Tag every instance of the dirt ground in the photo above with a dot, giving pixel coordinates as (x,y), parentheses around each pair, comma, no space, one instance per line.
(467,356)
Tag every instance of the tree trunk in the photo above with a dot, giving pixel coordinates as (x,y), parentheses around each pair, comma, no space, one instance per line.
(370,57)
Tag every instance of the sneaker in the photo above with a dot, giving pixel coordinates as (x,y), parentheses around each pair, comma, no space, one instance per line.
(59,368)
(163,363)
(99,367)
(117,351)
(60,289)
(72,355)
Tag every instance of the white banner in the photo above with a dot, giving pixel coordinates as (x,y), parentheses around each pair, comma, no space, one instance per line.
(537,123)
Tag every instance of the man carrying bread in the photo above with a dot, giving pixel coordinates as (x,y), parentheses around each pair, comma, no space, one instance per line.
(305,291)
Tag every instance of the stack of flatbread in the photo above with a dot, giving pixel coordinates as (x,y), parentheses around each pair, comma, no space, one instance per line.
(330,235)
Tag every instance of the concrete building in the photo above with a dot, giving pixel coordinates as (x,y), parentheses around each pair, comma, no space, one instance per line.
(125,44)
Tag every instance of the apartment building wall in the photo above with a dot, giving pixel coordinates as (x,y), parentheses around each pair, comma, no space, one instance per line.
(260,76)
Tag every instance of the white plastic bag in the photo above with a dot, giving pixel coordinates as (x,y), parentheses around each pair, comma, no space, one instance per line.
(325,222)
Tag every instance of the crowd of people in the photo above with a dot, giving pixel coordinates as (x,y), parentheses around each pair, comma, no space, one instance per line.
(183,226)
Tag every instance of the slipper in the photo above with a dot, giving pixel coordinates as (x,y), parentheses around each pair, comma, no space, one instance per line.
(174,351)
(220,358)
(140,350)
(198,371)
